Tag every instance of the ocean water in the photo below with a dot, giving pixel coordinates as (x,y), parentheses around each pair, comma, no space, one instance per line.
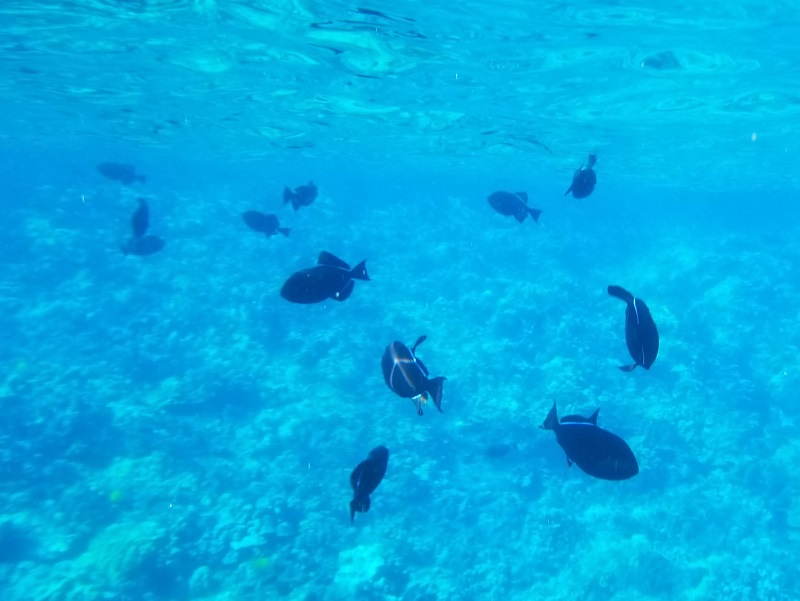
(172,429)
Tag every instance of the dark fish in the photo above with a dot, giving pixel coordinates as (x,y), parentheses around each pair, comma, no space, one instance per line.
(498,450)
(330,278)
(146,245)
(120,172)
(141,219)
(302,196)
(365,479)
(641,334)
(597,452)
(407,376)
(514,205)
(584,180)
(265,224)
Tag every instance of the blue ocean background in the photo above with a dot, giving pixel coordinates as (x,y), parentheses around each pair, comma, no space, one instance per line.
(172,429)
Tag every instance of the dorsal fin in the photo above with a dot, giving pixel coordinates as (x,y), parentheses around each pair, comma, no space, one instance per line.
(326,258)
(523,196)
(419,341)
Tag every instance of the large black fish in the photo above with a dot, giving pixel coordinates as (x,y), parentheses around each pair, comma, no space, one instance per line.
(514,205)
(407,376)
(330,278)
(302,196)
(596,451)
(144,246)
(125,174)
(584,180)
(365,479)
(641,334)
(265,224)
(140,220)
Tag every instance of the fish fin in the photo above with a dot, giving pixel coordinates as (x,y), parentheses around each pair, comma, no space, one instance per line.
(359,272)
(534,213)
(551,421)
(521,215)
(422,366)
(523,196)
(345,292)
(326,258)
(628,368)
(285,231)
(435,388)
(593,417)
(569,463)
(568,190)
(288,195)
(352,511)
(419,341)
(620,293)
(592,160)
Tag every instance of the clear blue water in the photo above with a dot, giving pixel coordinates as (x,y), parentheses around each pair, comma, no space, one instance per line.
(172,429)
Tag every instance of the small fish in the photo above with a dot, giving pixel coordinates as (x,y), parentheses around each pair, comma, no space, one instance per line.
(365,479)
(514,205)
(265,224)
(584,179)
(641,334)
(141,219)
(330,278)
(596,451)
(407,376)
(302,196)
(144,246)
(120,172)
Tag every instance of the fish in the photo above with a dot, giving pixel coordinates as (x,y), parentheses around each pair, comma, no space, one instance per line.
(365,478)
(302,196)
(407,376)
(598,452)
(120,172)
(265,224)
(329,278)
(144,246)
(141,219)
(641,334)
(584,179)
(514,205)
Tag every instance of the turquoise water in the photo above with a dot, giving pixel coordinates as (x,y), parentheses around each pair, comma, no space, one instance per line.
(172,429)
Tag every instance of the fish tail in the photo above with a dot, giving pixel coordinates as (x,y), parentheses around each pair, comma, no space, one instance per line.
(534,213)
(628,368)
(435,387)
(620,293)
(551,421)
(288,195)
(359,272)
(285,231)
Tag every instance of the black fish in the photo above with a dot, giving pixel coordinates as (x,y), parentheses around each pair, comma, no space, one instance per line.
(330,278)
(302,196)
(120,172)
(584,180)
(407,376)
(641,334)
(141,219)
(144,246)
(597,452)
(265,224)
(365,479)
(514,205)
